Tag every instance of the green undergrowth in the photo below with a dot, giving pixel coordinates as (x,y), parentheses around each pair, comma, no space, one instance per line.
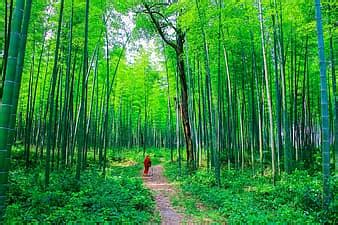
(157,156)
(120,197)
(241,198)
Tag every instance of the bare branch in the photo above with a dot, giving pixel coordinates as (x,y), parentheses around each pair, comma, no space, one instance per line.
(158,26)
(165,19)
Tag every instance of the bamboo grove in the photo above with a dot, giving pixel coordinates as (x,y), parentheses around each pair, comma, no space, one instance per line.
(235,83)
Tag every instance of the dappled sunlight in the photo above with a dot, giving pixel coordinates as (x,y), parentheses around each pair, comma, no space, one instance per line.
(123,163)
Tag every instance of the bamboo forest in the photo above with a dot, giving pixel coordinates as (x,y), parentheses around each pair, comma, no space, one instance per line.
(168,112)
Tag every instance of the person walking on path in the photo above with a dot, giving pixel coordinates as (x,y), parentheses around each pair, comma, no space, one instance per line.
(147,165)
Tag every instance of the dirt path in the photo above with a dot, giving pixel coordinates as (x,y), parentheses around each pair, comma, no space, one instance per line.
(163,191)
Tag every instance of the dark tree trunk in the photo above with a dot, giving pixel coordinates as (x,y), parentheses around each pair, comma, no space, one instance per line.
(184,97)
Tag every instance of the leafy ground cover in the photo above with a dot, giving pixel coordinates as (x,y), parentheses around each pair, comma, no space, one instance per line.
(119,197)
(241,198)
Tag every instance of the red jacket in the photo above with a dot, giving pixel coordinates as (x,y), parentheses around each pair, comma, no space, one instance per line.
(147,162)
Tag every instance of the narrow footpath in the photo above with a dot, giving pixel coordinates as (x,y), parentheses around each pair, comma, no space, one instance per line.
(163,192)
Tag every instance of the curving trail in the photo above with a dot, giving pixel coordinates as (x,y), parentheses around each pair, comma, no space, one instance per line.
(163,191)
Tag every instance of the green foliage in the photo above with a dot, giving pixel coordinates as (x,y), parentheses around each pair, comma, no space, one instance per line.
(120,197)
(245,199)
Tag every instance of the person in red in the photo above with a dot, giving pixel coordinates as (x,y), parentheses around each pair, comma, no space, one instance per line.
(147,165)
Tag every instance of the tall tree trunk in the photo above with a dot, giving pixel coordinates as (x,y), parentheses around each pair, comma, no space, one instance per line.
(8,25)
(66,112)
(277,90)
(266,77)
(286,132)
(82,139)
(184,98)
(106,110)
(335,95)
(169,133)
(9,100)
(51,96)
(325,145)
